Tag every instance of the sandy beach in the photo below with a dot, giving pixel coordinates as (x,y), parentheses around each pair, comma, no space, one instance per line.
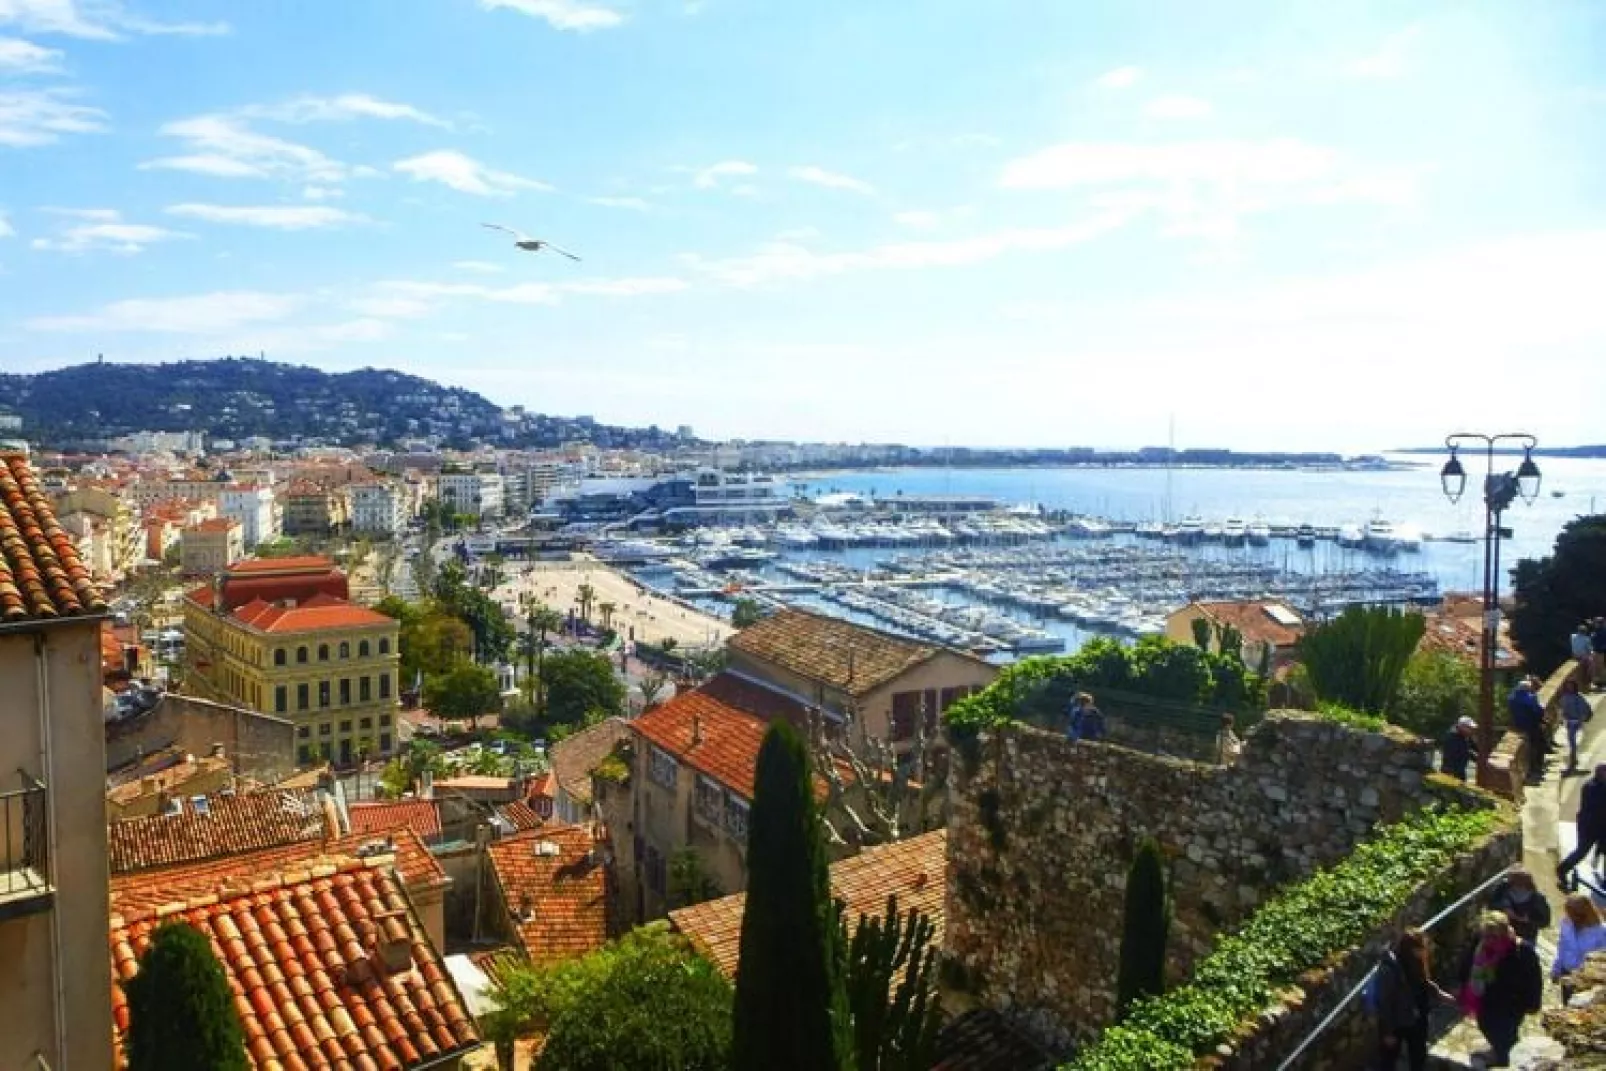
(653,617)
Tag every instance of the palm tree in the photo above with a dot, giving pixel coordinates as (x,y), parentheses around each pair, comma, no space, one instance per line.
(606,609)
(539,620)
(651,687)
(583,597)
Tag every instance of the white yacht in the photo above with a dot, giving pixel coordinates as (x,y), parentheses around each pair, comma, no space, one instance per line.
(1258,533)
(1234,532)
(1190,531)
(1351,536)
(1379,537)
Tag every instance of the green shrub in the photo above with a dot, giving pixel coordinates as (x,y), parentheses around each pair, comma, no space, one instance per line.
(1300,928)
(1438,687)
(1355,719)
(180,1013)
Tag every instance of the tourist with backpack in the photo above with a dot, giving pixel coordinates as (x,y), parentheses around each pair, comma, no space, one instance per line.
(1402,996)
(1502,985)
(1524,906)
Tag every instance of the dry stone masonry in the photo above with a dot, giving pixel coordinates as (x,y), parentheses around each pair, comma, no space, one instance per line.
(1043,830)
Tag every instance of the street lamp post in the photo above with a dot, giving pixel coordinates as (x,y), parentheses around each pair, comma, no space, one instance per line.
(1500,490)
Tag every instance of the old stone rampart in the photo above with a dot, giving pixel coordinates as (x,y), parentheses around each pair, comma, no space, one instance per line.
(1043,829)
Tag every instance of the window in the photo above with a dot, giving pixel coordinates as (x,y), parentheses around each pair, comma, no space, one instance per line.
(303,755)
(302,732)
(323,693)
(384,645)
(362,649)
(323,652)
(365,723)
(345,691)
(905,710)
(384,686)
(301,654)
(384,720)
(281,699)
(301,697)
(655,871)
(710,802)
(736,816)
(278,656)
(345,649)
(662,768)
(384,742)
(364,689)
(345,726)
(323,730)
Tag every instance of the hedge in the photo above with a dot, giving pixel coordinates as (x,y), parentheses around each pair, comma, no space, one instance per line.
(1302,927)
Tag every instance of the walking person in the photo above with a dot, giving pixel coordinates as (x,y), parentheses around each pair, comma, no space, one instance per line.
(1460,749)
(1404,998)
(1520,900)
(1228,743)
(1503,984)
(1575,711)
(1092,721)
(1528,718)
(1583,648)
(1581,934)
(1073,725)
(1591,825)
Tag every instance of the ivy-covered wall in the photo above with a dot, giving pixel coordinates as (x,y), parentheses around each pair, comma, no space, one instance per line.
(1043,829)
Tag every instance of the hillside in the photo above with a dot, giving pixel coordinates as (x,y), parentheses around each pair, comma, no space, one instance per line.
(235,398)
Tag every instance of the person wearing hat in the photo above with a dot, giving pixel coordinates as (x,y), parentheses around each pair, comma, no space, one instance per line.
(1460,749)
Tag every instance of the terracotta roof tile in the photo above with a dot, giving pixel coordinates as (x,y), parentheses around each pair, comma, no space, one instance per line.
(706,734)
(574,757)
(421,816)
(315,614)
(149,890)
(301,564)
(521,816)
(913,869)
(304,954)
(554,890)
(1254,621)
(231,824)
(41,575)
(837,653)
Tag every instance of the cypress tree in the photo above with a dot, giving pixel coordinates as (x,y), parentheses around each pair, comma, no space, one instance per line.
(181,1015)
(791,1001)
(1145,928)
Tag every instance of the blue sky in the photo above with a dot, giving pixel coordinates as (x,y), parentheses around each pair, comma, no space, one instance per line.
(1036,222)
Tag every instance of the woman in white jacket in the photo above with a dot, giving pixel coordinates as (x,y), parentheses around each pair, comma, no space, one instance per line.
(1581,934)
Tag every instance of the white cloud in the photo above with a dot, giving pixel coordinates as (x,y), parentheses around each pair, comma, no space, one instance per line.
(226,147)
(101,20)
(40,116)
(798,234)
(479,267)
(917,219)
(322,193)
(465,174)
(6,230)
(279,217)
(390,308)
(562,14)
(783,262)
(1177,108)
(832,180)
(1120,78)
(199,314)
(24,57)
(1391,58)
(634,204)
(709,177)
(346,106)
(103,229)
(1107,163)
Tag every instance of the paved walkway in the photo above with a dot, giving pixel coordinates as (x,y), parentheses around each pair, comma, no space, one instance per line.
(1548,833)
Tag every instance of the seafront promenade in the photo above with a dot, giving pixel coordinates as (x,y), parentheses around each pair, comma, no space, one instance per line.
(637,613)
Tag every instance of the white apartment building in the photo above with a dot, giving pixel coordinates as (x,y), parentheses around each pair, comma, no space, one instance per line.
(378,509)
(255,508)
(475,493)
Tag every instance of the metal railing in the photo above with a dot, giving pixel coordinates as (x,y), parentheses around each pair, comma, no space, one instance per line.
(1360,986)
(24,841)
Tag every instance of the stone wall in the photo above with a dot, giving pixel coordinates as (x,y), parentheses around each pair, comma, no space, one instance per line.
(1042,833)
(1351,1040)
(258,745)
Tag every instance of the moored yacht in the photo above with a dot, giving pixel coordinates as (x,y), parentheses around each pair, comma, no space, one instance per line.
(1190,531)
(1305,535)
(1258,533)
(1379,536)
(1351,537)
(1234,532)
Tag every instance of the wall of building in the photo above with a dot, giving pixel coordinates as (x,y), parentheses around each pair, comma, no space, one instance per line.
(61,951)
(259,746)
(1042,832)
(664,821)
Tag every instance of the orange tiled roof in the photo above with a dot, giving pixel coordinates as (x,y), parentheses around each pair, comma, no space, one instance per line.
(41,575)
(913,869)
(1456,627)
(302,564)
(520,815)
(1252,619)
(704,733)
(150,890)
(421,816)
(315,614)
(574,757)
(216,524)
(303,952)
(834,652)
(555,892)
(232,824)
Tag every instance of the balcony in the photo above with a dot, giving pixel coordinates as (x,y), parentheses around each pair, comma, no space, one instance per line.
(25,884)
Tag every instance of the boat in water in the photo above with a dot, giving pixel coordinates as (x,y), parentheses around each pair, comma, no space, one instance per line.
(1305,535)
(1190,531)
(1258,533)
(1234,532)
(1379,536)
(1351,536)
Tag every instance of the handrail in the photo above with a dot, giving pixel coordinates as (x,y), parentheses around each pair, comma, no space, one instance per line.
(1322,1026)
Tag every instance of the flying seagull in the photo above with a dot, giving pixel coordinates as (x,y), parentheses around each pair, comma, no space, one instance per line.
(525,242)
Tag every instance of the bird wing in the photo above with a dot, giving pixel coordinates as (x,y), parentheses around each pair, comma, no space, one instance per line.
(520,235)
(563,252)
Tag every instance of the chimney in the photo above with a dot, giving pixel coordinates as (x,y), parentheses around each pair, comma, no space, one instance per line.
(426,785)
(393,944)
(217,751)
(696,729)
